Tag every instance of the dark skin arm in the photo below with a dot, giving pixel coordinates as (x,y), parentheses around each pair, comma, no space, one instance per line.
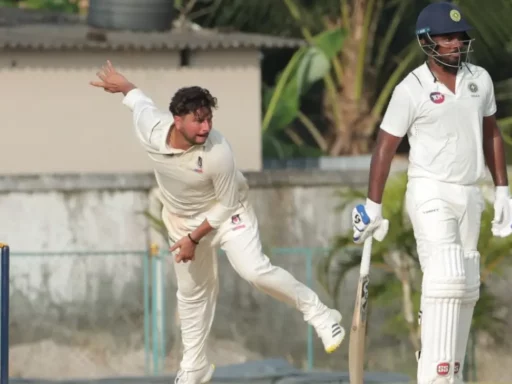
(385,150)
(494,151)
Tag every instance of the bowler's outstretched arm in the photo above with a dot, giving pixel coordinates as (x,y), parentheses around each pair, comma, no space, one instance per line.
(152,125)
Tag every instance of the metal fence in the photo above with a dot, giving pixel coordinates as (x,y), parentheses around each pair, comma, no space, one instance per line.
(77,314)
(92,314)
(108,313)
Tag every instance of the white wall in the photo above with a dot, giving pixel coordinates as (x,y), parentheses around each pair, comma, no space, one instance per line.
(53,121)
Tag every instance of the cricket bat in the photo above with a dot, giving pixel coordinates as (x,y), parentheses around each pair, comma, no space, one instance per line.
(356,347)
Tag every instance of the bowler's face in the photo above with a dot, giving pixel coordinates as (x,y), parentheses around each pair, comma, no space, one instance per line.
(195,127)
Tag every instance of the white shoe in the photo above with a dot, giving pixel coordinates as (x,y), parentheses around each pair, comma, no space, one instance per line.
(331,332)
(200,376)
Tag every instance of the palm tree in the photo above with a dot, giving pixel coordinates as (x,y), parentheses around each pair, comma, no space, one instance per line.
(396,271)
(377,49)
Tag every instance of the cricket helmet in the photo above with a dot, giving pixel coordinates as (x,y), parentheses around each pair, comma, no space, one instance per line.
(442,18)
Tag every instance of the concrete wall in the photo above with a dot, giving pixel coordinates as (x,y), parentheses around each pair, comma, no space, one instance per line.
(84,311)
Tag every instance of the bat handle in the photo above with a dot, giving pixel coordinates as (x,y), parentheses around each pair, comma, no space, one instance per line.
(366,257)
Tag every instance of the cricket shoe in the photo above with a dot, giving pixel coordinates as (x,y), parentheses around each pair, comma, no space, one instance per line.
(200,376)
(330,331)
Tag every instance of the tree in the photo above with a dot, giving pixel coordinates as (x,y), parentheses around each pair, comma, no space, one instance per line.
(396,271)
(378,50)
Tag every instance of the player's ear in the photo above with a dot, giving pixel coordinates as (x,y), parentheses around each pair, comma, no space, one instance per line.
(178,120)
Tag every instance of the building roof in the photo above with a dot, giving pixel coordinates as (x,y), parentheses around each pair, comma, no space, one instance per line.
(22,29)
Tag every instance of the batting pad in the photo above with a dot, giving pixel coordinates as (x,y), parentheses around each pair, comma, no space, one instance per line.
(443,291)
(471,296)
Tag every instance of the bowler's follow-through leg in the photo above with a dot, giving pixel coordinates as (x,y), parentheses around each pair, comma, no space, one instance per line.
(244,252)
(198,287)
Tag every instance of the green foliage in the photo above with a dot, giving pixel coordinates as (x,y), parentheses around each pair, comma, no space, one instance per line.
(157,224)
(69,6)
(263,16)
(281,103)
(307,66)
(395,265)
(383,58)
(274,146)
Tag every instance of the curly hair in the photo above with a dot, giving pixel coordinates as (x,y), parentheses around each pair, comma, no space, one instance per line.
(190,99)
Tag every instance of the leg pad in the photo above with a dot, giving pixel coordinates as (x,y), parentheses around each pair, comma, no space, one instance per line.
(443,291)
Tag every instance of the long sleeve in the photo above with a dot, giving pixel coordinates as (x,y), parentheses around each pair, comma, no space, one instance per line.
(151,124)
(221,166)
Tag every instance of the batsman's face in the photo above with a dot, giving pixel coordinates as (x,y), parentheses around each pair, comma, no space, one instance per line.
(451,47)
(195,127)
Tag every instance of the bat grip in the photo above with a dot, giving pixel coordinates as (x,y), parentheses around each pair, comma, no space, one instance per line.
(366,257)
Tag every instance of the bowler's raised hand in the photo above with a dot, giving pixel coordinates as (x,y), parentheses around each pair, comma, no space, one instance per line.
(112,81)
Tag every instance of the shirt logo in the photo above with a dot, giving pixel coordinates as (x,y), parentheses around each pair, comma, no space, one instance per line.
(199,167)
(473,88)
(437,97)
(443,369)
(236,220)
(455,15)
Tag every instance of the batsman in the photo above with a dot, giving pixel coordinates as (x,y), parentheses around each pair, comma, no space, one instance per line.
(447,109)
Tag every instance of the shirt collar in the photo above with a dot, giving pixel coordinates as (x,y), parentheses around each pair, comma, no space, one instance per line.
(464,68)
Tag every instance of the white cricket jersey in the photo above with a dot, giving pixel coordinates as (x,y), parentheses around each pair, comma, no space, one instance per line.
(445,130)
(200,181)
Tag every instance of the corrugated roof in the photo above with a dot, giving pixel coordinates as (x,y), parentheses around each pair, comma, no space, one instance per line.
(52,31)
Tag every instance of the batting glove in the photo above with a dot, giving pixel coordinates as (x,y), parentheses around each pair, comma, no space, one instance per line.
(502,223)
(367,221)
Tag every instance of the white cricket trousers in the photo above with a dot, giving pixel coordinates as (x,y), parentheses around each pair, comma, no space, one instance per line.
(198,286)
(446,222)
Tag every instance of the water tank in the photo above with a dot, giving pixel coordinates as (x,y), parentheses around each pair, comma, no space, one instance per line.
(133,15)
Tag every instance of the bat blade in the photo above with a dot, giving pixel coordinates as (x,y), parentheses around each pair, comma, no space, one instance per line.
(356,351)
(357,345)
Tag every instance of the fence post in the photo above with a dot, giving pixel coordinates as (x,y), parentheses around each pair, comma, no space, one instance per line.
(309,282)
(156,308)
(163,327)
(145,271)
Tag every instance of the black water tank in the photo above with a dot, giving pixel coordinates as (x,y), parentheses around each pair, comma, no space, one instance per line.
(133,15)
